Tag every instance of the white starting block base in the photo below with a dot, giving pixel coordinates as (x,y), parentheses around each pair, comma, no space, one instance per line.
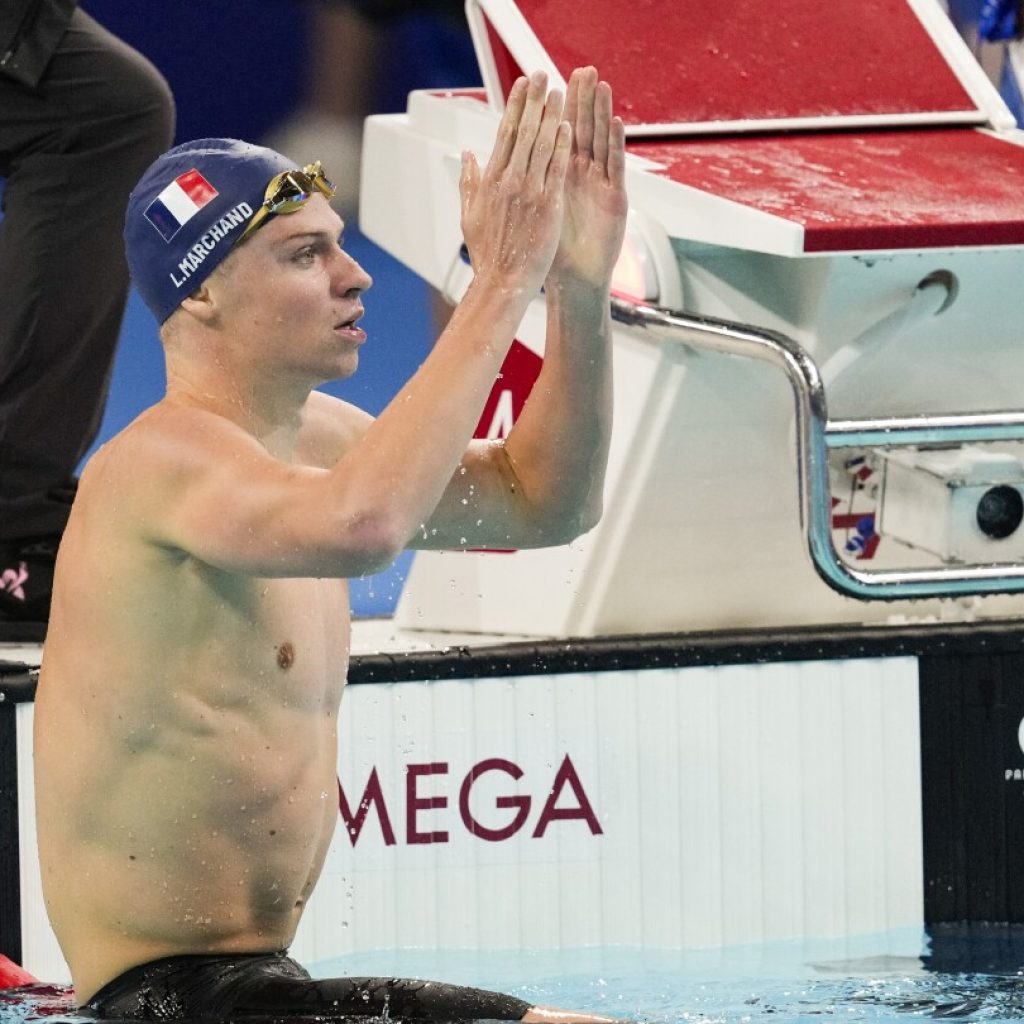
(701,529)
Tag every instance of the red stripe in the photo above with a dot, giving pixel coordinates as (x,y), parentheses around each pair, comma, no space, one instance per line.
(872,545)
(196,187)
(846,520)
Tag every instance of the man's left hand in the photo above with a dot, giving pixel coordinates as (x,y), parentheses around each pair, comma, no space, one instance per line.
(594,220)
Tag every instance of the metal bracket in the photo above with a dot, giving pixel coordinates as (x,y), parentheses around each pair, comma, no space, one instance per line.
(815,435)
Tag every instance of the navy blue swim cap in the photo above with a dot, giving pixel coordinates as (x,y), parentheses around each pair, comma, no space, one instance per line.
(188,210)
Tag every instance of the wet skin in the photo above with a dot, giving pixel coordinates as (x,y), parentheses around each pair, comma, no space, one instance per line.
(202,736)
(185,729)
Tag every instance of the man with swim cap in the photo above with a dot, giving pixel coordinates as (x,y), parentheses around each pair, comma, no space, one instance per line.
(186,716)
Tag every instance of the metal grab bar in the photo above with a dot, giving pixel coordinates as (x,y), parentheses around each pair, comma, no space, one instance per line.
(982,426)
(815,436)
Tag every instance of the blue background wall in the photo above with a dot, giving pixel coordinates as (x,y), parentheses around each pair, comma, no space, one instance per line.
(237,68)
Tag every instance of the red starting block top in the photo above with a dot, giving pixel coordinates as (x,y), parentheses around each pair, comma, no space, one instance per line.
(699,66)
(792,126)
(895,189)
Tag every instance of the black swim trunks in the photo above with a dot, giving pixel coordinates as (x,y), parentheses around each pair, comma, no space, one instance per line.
(272,986)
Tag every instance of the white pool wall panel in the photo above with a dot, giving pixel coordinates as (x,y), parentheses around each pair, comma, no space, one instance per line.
(736,804)
(730,805)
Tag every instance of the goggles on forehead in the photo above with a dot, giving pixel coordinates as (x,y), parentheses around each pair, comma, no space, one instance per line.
(287,192)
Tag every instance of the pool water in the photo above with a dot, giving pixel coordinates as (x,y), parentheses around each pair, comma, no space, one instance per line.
(966,975)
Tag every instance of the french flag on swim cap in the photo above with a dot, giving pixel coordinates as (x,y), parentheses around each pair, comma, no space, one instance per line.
(179,203)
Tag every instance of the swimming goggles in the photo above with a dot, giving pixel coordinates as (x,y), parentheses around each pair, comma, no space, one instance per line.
(287,192)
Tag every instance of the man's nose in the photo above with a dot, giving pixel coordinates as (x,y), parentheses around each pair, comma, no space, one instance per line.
(350,276)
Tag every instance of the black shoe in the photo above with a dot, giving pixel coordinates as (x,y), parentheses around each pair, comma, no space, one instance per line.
(26,587)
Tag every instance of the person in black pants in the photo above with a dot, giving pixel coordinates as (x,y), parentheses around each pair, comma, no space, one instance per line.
(81,116)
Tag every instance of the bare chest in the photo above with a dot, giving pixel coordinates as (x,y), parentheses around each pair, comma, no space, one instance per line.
(288,638)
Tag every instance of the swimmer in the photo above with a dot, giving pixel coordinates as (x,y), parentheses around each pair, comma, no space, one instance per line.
(185,731)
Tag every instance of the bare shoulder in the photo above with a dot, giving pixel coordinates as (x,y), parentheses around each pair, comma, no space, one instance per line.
(186,481)
(330,427)
(142,469)
(166,442)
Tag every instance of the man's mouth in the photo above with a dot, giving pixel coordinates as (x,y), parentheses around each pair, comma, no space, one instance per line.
(349,326)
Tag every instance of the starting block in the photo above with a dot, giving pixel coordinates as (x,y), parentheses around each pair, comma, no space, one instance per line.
(835,188)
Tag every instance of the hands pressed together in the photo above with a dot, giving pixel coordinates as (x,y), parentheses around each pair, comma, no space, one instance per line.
(551,202)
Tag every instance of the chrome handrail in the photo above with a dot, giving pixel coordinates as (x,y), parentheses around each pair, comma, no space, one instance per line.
(815,436)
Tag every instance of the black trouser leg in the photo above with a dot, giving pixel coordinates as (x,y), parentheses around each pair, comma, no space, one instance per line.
(70,149)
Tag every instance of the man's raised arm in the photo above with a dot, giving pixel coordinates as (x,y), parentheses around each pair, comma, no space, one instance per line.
(357,516)
(543,485)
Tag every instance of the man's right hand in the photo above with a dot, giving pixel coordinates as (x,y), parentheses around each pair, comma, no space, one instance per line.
(512,212)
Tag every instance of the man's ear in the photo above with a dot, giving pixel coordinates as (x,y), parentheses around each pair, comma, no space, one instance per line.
(200,304)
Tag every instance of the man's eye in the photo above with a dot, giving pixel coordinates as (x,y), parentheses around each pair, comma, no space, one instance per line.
(306,255)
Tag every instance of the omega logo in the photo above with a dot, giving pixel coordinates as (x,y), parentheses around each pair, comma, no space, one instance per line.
(497,828)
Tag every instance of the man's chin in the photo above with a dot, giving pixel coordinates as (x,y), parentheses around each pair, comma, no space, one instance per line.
(341,369)
(348,365)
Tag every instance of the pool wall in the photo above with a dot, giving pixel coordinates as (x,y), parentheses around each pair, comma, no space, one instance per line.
(677,807)
(672,791)
(668,808)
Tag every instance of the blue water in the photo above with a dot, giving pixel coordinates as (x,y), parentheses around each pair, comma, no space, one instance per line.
(890,977)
